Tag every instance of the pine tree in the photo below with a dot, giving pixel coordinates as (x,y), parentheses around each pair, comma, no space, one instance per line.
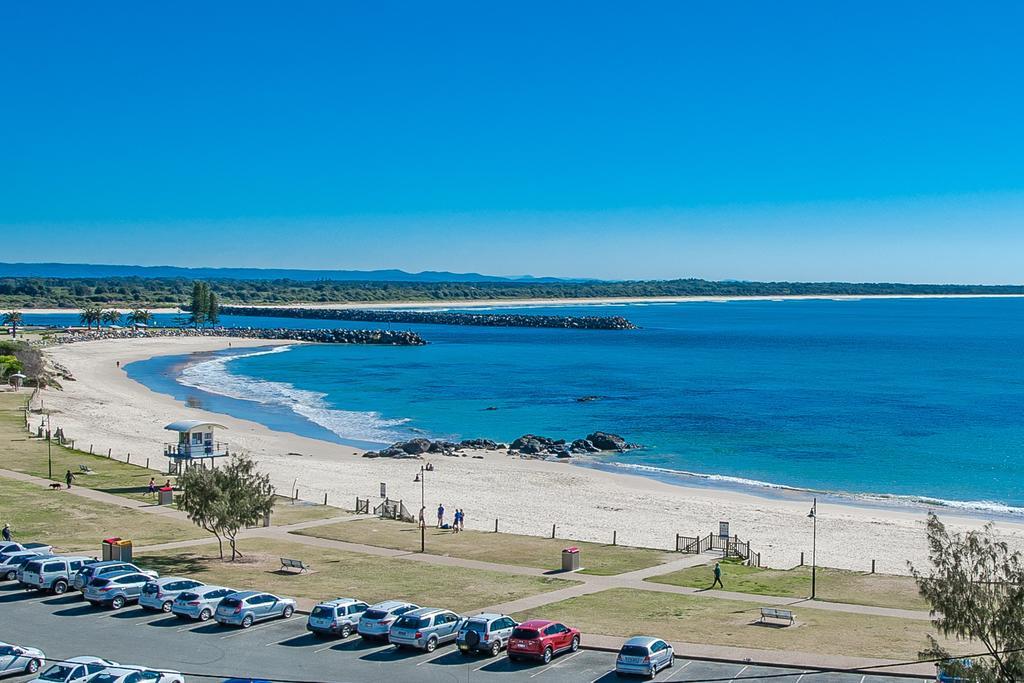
(212,309)
(200,303)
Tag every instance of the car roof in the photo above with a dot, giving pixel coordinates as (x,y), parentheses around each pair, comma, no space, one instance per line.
(207,588)
(124,572)
(337,602)
(167,579)
(242,595)
(107,563)
(487,616)
(389,605)
(88,659)
(425,611)
(642,641)
(537,623)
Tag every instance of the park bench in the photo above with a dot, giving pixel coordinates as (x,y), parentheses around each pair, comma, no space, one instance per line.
(777,613)
(85,469)
(287,563)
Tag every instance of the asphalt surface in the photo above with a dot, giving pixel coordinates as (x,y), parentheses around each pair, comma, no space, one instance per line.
(67,626)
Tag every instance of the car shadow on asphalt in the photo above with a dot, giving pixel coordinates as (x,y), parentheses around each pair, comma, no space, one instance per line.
(392,654)
(359,645)
(506,665)
(167,622)
(137,613)
(79,611)
(303,640)
(210,627)
(63,600)
(19,596)
(451,658)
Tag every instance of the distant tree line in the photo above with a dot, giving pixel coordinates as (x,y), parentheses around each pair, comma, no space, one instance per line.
(137,292)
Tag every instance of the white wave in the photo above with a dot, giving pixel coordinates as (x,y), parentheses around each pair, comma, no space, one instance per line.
(213,376)
(974,506)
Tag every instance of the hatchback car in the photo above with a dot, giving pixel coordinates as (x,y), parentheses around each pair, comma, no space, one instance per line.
(159,594)
(485,633)
(115,590)
(20,659)
(542,639)
(644,656)
(247,607)
(51,573)
(338,617)
(74,670)
(425,628)
(125,673)
(11,562)
(376,621)
(200,602)
(105,568)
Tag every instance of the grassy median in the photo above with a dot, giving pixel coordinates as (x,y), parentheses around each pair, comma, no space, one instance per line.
(833,585)
(339,573)
(695,619)
(514,549)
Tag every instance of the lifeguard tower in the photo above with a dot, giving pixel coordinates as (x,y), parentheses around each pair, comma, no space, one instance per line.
(196,444)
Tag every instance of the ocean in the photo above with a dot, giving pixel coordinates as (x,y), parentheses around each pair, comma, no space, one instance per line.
(903,401)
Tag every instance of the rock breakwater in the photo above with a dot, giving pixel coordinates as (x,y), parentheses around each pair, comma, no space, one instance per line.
(319,336)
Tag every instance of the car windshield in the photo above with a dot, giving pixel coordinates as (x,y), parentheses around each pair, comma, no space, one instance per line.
(7,650)
(21,559)
(322,612)
(105,678)
(87,571)
(230,602)
(525,633)
(412,622)
(375,614)
(633,651)
(99,583)
(33,566)
(57,672)
(150,588)
(478,626)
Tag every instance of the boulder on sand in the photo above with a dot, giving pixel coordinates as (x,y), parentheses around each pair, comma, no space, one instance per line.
(608,442)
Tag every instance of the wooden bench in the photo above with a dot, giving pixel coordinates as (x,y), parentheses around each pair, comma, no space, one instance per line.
(85,469)
(287,563)
(777,613)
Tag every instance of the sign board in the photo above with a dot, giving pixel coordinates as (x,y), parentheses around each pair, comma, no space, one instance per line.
(723,529)
(384,490)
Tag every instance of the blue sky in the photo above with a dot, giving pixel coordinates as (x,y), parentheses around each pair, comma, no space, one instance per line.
(803,141)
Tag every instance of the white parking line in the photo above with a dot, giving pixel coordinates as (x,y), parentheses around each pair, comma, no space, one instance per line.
(428,661)
(738,673)
(800,678)
(549,667)
(673,669)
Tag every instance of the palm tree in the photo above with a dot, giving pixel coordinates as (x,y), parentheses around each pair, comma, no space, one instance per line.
(13,318)
(91,315)
(111,317)
(140,316)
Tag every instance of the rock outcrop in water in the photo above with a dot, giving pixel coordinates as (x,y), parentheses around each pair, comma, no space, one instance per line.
(320,336)
(529,445)
(414,448)
(590,322)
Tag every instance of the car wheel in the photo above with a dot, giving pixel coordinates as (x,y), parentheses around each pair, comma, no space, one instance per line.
(247,621)
(575,644)
(117,603)
(496,648)
(671,660)
(33,666)
(288,611)
(60,587)
(205,615)
(547,655)
(431,644)
(166,607)
(9,576)
(346,631)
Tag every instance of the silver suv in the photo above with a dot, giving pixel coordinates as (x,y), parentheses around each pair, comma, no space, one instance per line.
(338,617)
(376,622)
(11,562)
(425,628)
(115,590)
(53,573)
(161,593)
(485,633)
(94,570)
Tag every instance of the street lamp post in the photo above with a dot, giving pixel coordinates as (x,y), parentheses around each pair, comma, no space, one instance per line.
(813,514)
(49,449)
(421,478)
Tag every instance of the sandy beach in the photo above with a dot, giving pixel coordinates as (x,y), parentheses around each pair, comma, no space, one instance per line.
(106,409)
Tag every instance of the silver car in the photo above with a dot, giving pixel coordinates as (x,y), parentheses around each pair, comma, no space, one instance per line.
(51,573)
(159,594)
(200,602)
(425,628)
(338,617)
(12,547)
(376,621)
(644,656)
(247,607)
(485,633)
(126,673)
(11,562)
(105,568)
(115,590)
(74,670)
(20,659)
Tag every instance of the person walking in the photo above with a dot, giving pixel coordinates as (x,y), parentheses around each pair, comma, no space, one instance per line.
(440,515)
(68,478)
(152,486)
(718,576)
(462,519)
(455,522)
(7,533)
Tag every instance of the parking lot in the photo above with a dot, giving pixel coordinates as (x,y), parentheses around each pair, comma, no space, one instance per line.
(67,626)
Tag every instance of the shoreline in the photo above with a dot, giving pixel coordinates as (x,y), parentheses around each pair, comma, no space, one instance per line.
(106,408)
(539,303)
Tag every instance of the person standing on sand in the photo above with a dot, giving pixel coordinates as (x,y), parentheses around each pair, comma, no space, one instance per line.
(456,520)
(718,577)
(68,478)
(462,519)
(7,533)
(440,515)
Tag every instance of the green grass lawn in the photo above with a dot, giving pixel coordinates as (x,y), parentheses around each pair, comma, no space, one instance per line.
(526,551)
(695,619)
(287,512)
(70,523)
(834,585)
(339,573)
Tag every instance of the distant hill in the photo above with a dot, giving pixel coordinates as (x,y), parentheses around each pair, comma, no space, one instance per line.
(91,270)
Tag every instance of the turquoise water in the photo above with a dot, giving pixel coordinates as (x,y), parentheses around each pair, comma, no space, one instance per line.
(902,399)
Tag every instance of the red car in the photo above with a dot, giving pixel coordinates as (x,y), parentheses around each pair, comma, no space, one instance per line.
(542,639)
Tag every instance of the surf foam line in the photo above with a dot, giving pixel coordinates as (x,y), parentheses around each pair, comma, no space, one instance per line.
(972,506)
(213,376)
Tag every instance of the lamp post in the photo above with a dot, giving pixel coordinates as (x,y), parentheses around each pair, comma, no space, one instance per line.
(421,478)
(49,450)
(813,514)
